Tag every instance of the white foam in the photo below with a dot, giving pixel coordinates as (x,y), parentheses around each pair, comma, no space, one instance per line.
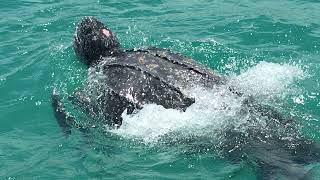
(153,121)
(267,79)
(214,109)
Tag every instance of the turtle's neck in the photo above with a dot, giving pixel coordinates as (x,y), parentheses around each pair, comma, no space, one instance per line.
(116,52)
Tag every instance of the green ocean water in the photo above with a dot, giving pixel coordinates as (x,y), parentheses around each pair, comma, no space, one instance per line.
(232,37)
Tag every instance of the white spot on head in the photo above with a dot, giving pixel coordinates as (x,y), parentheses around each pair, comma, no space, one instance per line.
(106,32)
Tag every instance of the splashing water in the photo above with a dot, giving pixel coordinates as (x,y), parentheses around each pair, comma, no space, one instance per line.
(214,109)
(267,79)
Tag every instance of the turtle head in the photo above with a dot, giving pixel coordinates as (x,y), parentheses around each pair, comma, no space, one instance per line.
(93,39)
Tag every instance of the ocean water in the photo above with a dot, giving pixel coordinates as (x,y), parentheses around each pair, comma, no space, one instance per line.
(267,49)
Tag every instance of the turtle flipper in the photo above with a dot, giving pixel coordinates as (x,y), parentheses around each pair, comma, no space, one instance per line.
(64,119)
(60,113)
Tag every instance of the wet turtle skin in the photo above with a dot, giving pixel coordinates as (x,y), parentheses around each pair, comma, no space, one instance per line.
(132,78)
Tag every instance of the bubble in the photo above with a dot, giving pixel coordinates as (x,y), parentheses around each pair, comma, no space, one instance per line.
(299,99)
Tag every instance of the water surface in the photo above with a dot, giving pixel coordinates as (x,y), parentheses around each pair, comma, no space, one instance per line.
(270,48)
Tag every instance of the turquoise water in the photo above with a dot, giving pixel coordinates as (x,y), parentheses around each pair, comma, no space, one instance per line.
(270,48)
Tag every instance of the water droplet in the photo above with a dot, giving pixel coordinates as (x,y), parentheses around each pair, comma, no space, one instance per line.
(38,103)
(299,99)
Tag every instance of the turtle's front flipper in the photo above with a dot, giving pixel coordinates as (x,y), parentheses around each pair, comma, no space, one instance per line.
(60,113)
(65,121)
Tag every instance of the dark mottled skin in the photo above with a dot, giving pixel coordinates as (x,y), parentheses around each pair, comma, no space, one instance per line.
(138,77)
(122,80)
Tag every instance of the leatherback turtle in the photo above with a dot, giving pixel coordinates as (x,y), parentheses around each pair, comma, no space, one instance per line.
(128,79)
(122,80)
